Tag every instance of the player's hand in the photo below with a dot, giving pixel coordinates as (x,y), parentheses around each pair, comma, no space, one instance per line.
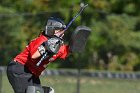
(53,45)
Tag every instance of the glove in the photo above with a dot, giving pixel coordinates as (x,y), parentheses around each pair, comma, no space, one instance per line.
(52,45)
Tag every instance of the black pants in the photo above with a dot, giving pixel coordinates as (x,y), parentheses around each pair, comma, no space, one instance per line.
(20,77)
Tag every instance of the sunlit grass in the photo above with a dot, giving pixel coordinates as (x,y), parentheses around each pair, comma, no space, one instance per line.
(68,84)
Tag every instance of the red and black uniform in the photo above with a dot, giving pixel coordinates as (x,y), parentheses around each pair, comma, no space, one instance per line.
(23,70)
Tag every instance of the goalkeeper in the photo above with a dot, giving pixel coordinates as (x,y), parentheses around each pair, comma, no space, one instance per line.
(22,71)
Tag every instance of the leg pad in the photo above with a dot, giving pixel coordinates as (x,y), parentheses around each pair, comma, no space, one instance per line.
(35,89)
(48,89)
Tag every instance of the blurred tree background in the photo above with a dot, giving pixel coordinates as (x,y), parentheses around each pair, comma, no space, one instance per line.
(113,44)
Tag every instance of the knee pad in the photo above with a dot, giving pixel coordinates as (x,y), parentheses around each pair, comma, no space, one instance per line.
(35,89)
(48,89)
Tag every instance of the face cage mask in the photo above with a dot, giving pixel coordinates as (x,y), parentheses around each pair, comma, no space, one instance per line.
(50,30)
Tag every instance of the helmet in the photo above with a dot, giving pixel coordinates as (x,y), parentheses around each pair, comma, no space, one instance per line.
(54,24)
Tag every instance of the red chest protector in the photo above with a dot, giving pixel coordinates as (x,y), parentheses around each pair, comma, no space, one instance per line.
(25,56)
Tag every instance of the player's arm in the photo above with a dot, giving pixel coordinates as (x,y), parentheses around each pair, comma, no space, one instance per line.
(40,51)
(36,55)
(51,46)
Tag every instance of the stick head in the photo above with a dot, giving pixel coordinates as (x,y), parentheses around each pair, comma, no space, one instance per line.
(79,38)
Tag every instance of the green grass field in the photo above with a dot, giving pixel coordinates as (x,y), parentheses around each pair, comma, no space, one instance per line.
(67,84)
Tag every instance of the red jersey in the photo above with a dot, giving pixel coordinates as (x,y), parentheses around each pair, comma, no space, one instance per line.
(25,56)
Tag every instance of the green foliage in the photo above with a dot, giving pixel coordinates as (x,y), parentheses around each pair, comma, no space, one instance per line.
(10,33)
(112,45)
(113,39)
